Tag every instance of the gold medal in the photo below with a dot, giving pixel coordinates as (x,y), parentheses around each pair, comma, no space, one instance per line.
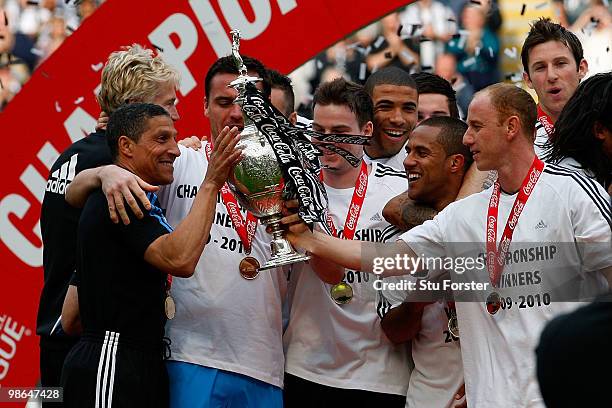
(169,307)
(453,324)
(249,268)
(341,293)
(493,303)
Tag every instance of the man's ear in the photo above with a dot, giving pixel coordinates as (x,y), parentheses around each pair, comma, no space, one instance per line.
(367,129)
(600,131)
(456,162)
(206,106)
(583,69)
(125,146)
(292,118)
(527,79)
(513,126)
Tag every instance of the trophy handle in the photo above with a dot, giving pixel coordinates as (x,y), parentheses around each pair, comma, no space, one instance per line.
(236,52)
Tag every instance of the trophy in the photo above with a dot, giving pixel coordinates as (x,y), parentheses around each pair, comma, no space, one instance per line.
(258,181)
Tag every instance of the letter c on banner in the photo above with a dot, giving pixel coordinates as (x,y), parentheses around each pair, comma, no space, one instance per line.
(12,237)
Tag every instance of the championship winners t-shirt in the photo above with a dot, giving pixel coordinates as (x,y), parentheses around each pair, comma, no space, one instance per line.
(343,346)
(561,241)
(438,370)
(222,320)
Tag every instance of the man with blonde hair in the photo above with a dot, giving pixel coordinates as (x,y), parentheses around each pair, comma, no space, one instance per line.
(133,74)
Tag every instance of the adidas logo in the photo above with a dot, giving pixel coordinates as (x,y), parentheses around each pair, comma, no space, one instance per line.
(376,217)
(60,178)
(541,225)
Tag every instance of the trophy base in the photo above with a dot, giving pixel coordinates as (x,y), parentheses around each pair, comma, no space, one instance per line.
(281,249)
(284,259)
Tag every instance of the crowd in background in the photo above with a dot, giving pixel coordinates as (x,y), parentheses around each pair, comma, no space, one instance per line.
(456,39)
(30,31)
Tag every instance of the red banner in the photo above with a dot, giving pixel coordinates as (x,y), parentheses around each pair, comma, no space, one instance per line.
(58,107)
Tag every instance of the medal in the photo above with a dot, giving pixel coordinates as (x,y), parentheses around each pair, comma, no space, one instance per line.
(493,303)
(169,307)
(341,293)
(249,268)
(496,255)
(453,323)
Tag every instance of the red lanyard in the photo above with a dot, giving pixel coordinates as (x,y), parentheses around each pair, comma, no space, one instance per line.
(350,225)
(546,121)
(496,257)
(246,230)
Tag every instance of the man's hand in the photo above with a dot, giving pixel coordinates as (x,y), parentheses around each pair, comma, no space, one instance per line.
(102,121)
(223,157)
(193,142)
(459,401)
(120,186)
(291,219)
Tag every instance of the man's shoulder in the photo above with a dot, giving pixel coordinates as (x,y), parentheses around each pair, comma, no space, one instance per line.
(90,151)
(381,170)
(94,203)
(576,188)
(386,178)
(565,178)
(191,156)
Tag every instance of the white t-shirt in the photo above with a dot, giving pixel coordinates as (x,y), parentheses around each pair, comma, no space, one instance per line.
(541,151)
(223,320)
(540,140)
(343,346)
(438,370)
(498,350)
(396,161)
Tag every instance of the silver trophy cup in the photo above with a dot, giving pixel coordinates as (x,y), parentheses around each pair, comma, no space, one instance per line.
(258,180)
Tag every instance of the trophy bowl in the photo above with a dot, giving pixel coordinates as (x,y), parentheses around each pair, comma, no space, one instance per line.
(257,184)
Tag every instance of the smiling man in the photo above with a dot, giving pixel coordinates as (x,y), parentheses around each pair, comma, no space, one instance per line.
(122,270)
(436,163)
(227,300)
(554,65)
(133,74)
(336,353)
(395,97)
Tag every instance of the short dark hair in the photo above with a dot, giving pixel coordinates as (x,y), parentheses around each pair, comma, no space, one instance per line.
(544,30)
(343,92)
(130,120)
(282,82)
(226,65)
(451,136)
(509,100)
(389,76)
(427,83)
(573,134)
